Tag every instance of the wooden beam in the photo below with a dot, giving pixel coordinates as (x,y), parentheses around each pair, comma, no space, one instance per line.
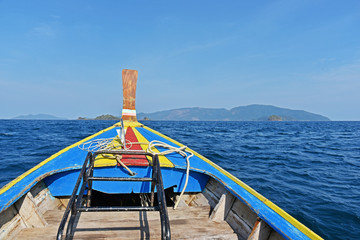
(261,231)
(129,94)
(11,223)
(29,212)
(223,207)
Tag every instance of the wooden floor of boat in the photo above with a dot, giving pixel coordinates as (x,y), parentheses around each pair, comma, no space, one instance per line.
(185,223)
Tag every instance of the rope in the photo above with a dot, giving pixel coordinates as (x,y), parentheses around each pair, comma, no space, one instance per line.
(101,144)
(104,144)
(180,150)
(118,159)
(113,143)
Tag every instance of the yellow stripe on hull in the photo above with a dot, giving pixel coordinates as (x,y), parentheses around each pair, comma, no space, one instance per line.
(104,160)
(164,161)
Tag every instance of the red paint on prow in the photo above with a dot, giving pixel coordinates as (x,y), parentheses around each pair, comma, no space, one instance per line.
(134,160)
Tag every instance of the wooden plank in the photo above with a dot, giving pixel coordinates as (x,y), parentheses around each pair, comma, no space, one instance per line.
(7,215)
(261,231)
(29,212)
(244,212)
(146,229)
(199,200)
(230,236)
(24,213)
(211,197)
(216,188)
(54,217)
(11,223)
(179,227)
(213,192)
(43,199)
(238,225)
(64,201)
(223,207)
(189,199)
(240,217)
(185,223)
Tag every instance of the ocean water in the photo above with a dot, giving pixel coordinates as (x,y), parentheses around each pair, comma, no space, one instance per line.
(309,169)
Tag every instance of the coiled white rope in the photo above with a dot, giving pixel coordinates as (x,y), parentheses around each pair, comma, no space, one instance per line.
(101,144)
(107,144)
(115,143)
(180,150)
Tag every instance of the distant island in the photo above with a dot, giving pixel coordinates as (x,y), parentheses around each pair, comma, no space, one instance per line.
(38,117)
(275,118)
(101,117)
(253,112)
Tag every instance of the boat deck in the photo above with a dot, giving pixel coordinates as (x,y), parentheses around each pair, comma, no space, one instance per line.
(186,223)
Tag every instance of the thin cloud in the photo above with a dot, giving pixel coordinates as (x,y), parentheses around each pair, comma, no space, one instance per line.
(44,31)
(349,74)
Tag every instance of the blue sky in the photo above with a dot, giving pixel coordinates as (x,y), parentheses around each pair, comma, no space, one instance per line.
(65,57)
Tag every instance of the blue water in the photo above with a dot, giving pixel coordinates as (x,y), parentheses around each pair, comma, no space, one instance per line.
(309,169)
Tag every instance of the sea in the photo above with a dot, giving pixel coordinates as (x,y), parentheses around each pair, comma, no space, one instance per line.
(309,169)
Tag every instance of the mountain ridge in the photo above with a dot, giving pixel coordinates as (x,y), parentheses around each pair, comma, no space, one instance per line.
(38,117)
(253,112)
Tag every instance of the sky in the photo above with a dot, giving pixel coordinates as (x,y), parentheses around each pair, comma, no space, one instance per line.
(65,58)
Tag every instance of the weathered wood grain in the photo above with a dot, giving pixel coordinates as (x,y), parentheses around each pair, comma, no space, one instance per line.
(29,212)
(43,199)
(53,217)
(192,199)
(129,92)
(185,223)
(261,231)
(223,207)
(11,223)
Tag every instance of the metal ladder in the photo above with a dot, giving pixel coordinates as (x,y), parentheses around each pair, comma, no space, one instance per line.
(76,204)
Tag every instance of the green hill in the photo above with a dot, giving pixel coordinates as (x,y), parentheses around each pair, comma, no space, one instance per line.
(107,117)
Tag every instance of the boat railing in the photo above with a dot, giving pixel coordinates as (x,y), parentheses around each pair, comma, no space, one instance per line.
(76,203)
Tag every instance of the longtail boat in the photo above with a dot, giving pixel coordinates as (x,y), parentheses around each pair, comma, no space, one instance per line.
(131,182)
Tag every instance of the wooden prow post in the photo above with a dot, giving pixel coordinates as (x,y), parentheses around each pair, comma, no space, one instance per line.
(129,94)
